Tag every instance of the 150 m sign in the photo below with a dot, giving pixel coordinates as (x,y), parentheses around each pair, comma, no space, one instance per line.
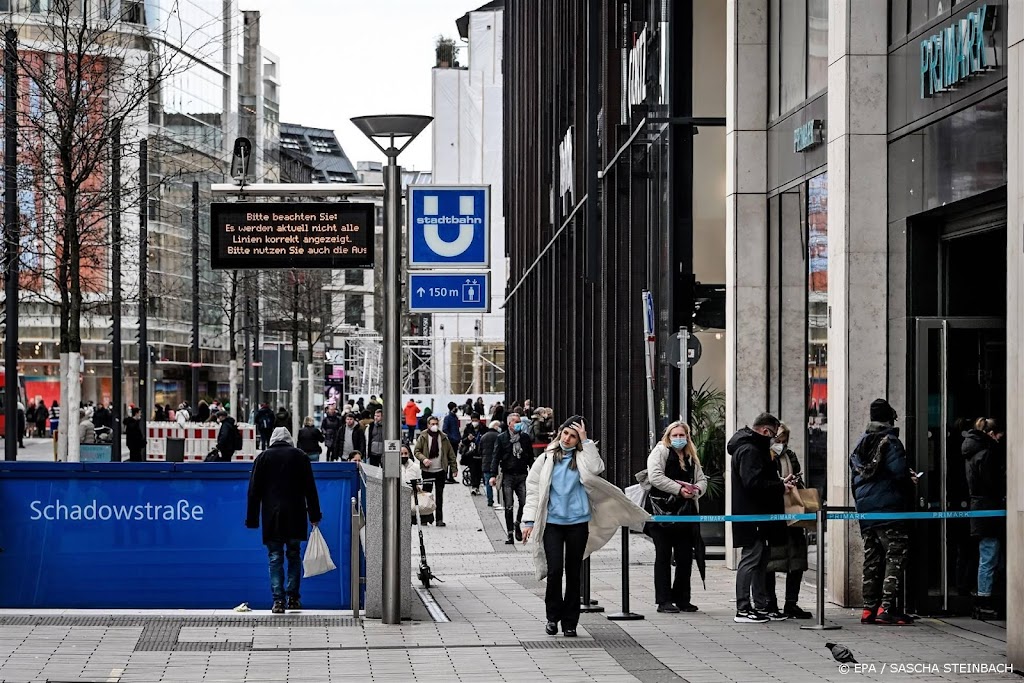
(245,235)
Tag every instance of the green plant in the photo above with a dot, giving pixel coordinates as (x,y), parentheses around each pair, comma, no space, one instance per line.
(445,51)
(707,423)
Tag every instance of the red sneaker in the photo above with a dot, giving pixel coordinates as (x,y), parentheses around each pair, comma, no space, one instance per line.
(887,618)
(867,616)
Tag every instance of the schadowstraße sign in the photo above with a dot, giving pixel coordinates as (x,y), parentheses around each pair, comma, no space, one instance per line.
(246,235)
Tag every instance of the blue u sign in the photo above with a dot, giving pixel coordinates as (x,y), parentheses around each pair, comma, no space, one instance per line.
(449,226)
(148,536)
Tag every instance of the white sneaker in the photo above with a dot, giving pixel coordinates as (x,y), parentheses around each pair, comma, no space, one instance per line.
(776,615)
(750,617)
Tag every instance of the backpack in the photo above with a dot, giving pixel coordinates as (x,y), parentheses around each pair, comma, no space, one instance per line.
(236,438)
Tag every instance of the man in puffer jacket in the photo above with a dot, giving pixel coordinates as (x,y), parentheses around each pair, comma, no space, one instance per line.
(985,462)
(882,481)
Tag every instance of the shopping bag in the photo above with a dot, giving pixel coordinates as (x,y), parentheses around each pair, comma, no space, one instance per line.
(318,556)
(638,494)
(426,502)
(800,501)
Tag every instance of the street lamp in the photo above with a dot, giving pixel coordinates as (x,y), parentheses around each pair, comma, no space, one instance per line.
(405,128)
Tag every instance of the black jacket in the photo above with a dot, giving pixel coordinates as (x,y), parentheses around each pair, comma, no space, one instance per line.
(226,439)
(887,489)
(309,440)
(283,419)
(986,478)
(756,489)
(358,442)
(202,413)
(281,487)
(265,419)
(133,433)
(505,455)
(330,426)
(102,418)
(488,439)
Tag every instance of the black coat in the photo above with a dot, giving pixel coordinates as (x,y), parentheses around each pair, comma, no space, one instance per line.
(283,419)
(309,440)
(756,489)
(265,420)
(330,426)
(986,478)
(102,418)
(889,488)
(202,413)
(133,433)
(505,455)
(281,487)
(358,441)
(487,451)
(226,438)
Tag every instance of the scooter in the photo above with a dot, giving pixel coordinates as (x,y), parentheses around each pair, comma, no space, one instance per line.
(424,574)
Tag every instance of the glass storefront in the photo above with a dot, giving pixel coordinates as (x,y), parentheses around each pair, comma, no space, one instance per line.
(817,330)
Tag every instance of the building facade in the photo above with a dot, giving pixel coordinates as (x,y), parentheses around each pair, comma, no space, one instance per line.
(873,156)
(614,184)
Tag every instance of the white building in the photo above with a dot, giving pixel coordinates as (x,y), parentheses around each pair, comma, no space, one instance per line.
(469,349)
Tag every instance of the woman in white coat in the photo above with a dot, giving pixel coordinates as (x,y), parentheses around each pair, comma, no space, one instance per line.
(570,512)
(677,480)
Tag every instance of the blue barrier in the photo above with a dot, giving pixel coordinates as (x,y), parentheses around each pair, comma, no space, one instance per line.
(148,535)
(949,514)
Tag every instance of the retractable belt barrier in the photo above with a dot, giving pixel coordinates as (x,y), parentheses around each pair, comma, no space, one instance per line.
(820,517)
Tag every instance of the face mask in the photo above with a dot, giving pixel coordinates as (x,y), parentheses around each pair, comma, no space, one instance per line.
(405,461)
(566,449)
(433,428)
(777,448)
(518,427)
(679,443)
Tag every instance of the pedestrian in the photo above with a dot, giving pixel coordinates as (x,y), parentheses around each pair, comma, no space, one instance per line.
(310,439)
(479,408)
(787,554)
(410,412)
(986,479)
(676,477)
(570,513)
(421,422)
(30,419)
(264,420)
(22,424)
(182,415)
(228,437)
(756,490)
(488,463)
(498,412)
(283,419)
(329,425)
(359,404)
(283,492)
(54,417)
(349,439)
(133,436)
(450,426)
(882,481)
(514,457)
(375,439)
(203,412)
(41,415)
(470,453)
(437,457)
(374,405)
(86,429)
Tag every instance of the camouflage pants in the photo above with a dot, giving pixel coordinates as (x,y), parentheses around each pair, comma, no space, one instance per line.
(885,554)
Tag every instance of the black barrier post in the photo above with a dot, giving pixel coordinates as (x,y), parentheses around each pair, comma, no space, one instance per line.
(586,604)
(819,575)
(625,614)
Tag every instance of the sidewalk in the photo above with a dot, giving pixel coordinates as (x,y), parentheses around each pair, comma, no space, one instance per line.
(495,632)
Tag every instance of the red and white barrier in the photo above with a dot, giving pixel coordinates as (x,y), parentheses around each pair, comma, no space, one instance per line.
(200,438)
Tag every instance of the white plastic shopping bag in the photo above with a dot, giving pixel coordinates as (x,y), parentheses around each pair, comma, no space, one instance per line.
(318,556)
(638,494)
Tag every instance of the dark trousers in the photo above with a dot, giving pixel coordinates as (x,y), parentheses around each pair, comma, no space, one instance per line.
(284,583)
(476,472)
(135,454)
(373,459)
(513,484)
(265,439)
(439,480)
(793,580)
(564,545)
(750,573)
(678,539)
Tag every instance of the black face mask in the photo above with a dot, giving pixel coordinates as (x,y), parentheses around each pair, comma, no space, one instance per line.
(405,460)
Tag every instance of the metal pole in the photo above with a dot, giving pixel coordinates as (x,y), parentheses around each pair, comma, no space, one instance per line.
(117,361)
(392,587)
(625,614)
(354,558)
(12,238)
(819,575)
(195,294)
(586,604)
(684,366)
(144,406)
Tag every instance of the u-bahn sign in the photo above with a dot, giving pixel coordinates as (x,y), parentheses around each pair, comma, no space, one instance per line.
(248,235)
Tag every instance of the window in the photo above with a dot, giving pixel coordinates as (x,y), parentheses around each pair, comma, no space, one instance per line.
(798,54)
(793,64)
(817,46)
(353,277)
(355,312)
(817,325)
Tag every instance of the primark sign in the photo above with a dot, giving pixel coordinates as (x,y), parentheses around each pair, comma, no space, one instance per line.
(957,52)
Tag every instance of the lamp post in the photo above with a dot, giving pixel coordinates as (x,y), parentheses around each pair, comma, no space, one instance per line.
(405,128)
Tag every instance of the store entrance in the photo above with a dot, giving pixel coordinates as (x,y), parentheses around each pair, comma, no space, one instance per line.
(960,375)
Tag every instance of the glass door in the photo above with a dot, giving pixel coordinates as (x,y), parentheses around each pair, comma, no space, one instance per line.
(959,376)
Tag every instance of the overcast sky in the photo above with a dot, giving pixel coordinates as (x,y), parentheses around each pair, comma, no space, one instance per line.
(345,58)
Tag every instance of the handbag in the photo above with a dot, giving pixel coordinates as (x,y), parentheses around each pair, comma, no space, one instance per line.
(802,501)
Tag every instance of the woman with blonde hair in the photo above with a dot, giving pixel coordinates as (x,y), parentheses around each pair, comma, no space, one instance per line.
(677,482)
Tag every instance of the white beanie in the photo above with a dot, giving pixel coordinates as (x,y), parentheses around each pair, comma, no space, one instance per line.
(281,434)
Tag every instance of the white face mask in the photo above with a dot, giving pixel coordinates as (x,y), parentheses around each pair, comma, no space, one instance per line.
(433,428)
(777,448)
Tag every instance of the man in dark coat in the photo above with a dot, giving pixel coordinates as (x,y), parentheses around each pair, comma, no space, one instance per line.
(756,490)
(450,426)
(330,425)
(283,419)
(488,462)
(227,440)
(349,439)
(282,487)
(513,455)
(882,481)
(264,424)
(134,438)
(986,479)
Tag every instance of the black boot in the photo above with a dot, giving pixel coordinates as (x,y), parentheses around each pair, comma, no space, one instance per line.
(983,608)
(510,540)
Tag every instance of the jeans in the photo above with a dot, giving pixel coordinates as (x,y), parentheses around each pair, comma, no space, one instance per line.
(487,487)
(988,561)
(439,480)
(564,545)
(677,538)
(313,457)
(282,585)
(771,603)
(750,573)
(513,483)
